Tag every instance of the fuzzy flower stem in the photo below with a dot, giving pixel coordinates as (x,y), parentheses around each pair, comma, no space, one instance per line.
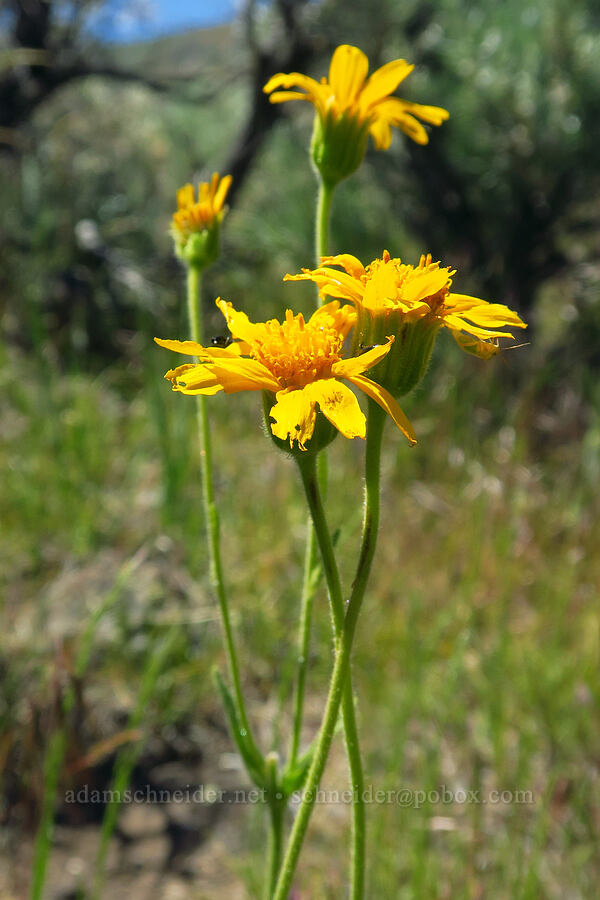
(315,503)
(211,514)
(322,221)
(319,540)
(276,812)
(306,609)
(376,422)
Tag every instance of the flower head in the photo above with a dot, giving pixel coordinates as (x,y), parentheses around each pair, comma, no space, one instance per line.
(350,106)
(299,364)
(195,225)
(412,303)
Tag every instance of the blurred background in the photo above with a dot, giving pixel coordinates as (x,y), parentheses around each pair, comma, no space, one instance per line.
(477,662)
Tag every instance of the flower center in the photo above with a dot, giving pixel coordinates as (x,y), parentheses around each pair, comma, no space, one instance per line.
(296,352)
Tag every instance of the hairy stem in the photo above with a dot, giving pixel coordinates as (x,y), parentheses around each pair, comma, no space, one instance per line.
(276,812)
(343,649)
(306,608)
(313,496)
(211,514)
(322,221)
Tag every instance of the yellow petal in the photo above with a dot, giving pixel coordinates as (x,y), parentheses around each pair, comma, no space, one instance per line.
(177,372)
(194,380)
(235,349)
(394,112)
(185,196)
(413,129)
(208,391)
(387,402)
(238,322)
(384,82)
(381,286)
(339,405)
(191,348)
(425,284)
(332,315)
(332,283)
(347,72)
(490,315)
(211,187)
(381,133)
(221,192)
(327,313)
(356,365)
(187,348)
(293,417)
(243,375)
(284,96)
(292,79)
(351,264)
(459,324)
(434,115)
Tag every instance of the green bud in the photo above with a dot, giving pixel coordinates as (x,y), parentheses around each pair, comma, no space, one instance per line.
(200,248)
(338,145)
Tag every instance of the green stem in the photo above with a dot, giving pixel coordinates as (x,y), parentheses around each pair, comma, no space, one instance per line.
(313,496)
(322,221)
(276,811)
(211,514)
(343,649)
(309,584)
(323,539)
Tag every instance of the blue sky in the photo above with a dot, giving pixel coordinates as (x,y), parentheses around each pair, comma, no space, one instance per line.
(139,20)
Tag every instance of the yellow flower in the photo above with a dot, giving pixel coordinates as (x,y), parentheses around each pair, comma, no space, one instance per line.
(195,225)
(388,285)
(367,100)
(300,363)
(411,303)
(196,215)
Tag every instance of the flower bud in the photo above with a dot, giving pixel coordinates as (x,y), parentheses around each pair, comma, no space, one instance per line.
(200,248)
(338,145)
(196,224)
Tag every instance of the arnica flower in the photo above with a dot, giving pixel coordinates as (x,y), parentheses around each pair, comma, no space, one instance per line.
(351,106)
(300,366)
(412,303)
(195,225)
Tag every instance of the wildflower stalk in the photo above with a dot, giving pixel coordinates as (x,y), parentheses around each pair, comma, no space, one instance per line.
(308,471)
(318,534)
(277,802)
(376,422)
(322,221)
(309,586)
(326,189)
(276,811)
(211,515)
